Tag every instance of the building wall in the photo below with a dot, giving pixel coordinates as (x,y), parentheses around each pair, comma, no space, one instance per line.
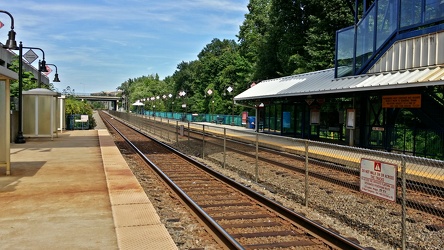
(421,51)
(6,57)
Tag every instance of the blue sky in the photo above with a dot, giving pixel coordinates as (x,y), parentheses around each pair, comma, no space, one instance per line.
(98,44)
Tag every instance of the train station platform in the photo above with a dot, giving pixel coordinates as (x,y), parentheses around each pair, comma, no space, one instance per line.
(75,192)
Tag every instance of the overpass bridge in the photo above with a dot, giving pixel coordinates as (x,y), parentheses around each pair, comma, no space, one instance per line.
(110,100)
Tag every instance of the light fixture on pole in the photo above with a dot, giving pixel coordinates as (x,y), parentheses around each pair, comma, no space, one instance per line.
(230,89)
(56,76)
(184,105)
(20,138)
(171,105)
(209,92)
(10,43)
(42,68)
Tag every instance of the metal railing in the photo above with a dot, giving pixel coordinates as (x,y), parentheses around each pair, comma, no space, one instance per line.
(393,188)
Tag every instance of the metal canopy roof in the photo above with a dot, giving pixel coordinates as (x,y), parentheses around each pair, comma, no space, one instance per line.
(7,73)
(323,82)
(40,91)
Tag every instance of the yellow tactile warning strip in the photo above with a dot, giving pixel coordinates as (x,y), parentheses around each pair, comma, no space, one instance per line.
(137,224)
(129,237)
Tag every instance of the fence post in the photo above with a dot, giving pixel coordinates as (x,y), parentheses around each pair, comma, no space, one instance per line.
(168,129)
(203,141)
(257,157)
(161,128)
(143,123)
(177,131)
(148,125)
(225,146)
(306,173)
(188,133)
(403,200)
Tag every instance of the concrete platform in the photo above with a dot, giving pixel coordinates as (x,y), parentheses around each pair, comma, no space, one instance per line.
(75,192)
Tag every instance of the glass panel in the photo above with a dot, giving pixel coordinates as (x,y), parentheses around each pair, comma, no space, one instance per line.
(44,115)
(434,9)
(387,16)
(410,12)
(298,119)
(272,116)
(261,113)
(4,113)
(365,39)
(29,114)
(345,52)
(278,117)
(288,119)
(267,118)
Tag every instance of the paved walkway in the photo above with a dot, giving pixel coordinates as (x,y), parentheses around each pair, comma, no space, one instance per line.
(75,192)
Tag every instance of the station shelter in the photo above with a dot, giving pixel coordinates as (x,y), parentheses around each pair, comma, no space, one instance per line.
(6,76)
(386,91)
(40,116)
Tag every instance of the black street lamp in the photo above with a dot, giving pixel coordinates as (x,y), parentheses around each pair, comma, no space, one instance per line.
(211,109)
(230,89)
(42,68)
(56,76)
(184,105)
(10,43)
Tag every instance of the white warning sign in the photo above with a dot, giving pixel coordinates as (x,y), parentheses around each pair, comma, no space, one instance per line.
(378,179)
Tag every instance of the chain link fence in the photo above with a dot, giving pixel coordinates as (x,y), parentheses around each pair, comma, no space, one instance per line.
(394,197)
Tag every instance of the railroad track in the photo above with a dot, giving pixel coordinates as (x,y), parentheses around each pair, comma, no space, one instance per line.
(240,217)
(422,197)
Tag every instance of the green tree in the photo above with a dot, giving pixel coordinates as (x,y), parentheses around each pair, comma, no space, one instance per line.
(125,92)
(253,35)
(286,38)
(325,18)
(277,38)
(28,79)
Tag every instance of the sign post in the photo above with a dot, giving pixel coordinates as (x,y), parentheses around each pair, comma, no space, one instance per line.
(30,56)
(378,179)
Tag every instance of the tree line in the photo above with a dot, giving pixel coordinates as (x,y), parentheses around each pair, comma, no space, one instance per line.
(277,38)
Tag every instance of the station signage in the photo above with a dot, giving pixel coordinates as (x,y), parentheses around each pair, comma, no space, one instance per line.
(315,117)
(378,179)
(401,101)
(30,56)
(350,118)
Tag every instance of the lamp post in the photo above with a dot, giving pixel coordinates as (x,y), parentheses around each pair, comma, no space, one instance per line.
(230,89)
(157,98)
(182,94)
(152,103)
(171,106)
(165,106)
(42,68)
(10,43)
(209,92)
(56,76)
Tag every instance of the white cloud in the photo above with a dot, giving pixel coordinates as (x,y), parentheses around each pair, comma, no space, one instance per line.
(105,42)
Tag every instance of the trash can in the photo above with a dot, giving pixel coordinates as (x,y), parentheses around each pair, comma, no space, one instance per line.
(181,129)
(70,122)
(251,122)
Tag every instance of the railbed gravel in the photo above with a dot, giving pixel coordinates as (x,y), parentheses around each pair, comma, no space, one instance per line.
(371,221)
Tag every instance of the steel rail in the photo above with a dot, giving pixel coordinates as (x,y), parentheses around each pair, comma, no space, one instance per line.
(222,235)
(331,236)
(411,185)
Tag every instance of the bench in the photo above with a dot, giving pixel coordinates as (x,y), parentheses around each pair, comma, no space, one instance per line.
(219,120)
(83,121)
